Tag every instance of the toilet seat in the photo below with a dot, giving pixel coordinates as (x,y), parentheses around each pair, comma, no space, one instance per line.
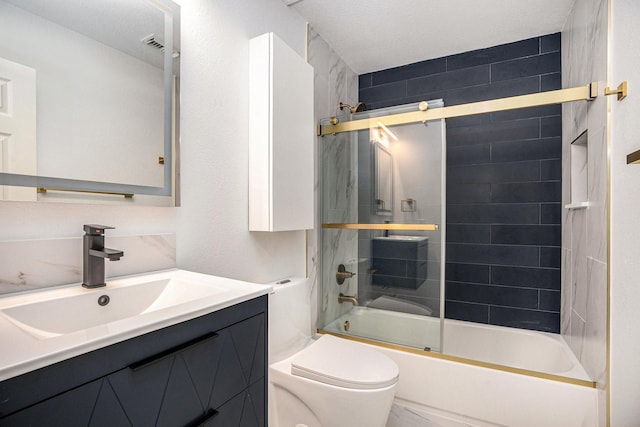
(338,362)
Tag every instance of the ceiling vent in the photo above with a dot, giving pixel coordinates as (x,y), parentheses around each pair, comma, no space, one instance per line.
(153,42)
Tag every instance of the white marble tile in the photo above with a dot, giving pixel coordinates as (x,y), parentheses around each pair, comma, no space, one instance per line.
(578,326)
(319,53)
(597,191)
(594,358)
(404,416)
(565,295)
(579,263)
(33,264)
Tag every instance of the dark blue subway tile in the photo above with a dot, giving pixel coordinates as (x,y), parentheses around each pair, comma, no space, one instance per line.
(450,80)
(493,54)
(550,43)
(494,173)
(494,90)
(549,235)
(551,126)
(494,132)
(551,170)
(474,120)
(383,92)
(525,319)
(549,301)
(524,67)
(468,233)
(468,193)
(550,257)
(469,154)
(540,278)
(410,71)
(527,113)
(551,81)
(550,213)
(478,313)
(532,149)
(471,273)
(492,295)
(364,81)
(525,213)
(493,254)
(550,191)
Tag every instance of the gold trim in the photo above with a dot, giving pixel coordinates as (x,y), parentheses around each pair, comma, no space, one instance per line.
(580,93)
(622,91)
(108,193)
(607,386)
(422,227)
(472,362)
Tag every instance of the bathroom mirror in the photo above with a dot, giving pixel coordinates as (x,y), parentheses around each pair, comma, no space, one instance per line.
(88,97)
(383,180)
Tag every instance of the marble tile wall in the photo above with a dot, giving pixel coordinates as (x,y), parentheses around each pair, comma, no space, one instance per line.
(336,195)
(584,235)
(33,264)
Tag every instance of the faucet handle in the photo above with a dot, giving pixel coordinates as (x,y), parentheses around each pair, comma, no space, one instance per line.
(96,230)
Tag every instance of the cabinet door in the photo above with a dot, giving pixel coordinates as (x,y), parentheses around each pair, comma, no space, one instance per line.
(93,404)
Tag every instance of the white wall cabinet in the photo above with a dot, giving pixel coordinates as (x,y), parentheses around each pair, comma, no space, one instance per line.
(281,137)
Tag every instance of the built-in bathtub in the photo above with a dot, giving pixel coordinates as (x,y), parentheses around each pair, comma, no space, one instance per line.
(490,375)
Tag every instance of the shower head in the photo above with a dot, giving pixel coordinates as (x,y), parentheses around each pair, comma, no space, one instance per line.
(355,109)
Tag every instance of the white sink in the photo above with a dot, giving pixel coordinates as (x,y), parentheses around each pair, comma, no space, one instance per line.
(43,327)
(52,315)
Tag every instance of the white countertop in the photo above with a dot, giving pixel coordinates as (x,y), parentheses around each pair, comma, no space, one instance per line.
(24,350)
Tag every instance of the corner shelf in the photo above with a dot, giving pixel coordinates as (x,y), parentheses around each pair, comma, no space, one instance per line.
(580,205)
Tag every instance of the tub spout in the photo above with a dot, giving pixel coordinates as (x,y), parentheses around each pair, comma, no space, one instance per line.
(348,298)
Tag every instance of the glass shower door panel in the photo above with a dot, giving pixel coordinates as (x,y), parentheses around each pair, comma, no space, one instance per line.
(399,187)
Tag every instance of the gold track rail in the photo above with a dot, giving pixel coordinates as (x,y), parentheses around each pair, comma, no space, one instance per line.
(580,93)
(413,227)
(108,193)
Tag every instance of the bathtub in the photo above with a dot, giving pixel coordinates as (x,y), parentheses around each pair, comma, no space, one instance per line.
(486,375)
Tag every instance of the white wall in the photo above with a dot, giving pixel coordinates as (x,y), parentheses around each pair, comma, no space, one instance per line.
(625,233)
(212,222)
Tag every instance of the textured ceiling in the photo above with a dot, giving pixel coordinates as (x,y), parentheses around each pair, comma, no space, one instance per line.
(372,35)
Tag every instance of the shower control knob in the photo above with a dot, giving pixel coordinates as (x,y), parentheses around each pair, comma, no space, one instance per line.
(343,274)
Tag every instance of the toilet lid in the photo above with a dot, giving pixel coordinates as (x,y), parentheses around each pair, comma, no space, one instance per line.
(343,363)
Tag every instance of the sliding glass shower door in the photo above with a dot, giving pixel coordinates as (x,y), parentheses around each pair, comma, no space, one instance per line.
(383,230)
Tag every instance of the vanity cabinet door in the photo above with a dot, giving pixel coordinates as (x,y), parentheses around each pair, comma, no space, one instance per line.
(94,404)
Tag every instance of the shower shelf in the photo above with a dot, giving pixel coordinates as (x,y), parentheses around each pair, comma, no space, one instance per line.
(424,227)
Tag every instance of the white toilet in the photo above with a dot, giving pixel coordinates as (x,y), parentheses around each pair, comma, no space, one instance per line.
(327,382)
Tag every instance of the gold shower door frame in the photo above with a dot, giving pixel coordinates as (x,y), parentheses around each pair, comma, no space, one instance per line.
(588,92)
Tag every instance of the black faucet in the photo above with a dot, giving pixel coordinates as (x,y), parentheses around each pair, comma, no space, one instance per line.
(94,254)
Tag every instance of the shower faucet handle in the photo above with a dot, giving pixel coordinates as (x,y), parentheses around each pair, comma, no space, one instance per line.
(343,274)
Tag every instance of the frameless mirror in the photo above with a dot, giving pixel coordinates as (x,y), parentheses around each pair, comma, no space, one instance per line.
(383,180)
(88,94)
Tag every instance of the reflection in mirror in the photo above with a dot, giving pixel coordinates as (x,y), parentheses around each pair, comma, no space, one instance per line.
(383,178)
(87,92)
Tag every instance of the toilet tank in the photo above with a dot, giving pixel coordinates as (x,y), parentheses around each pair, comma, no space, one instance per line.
(289,317)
